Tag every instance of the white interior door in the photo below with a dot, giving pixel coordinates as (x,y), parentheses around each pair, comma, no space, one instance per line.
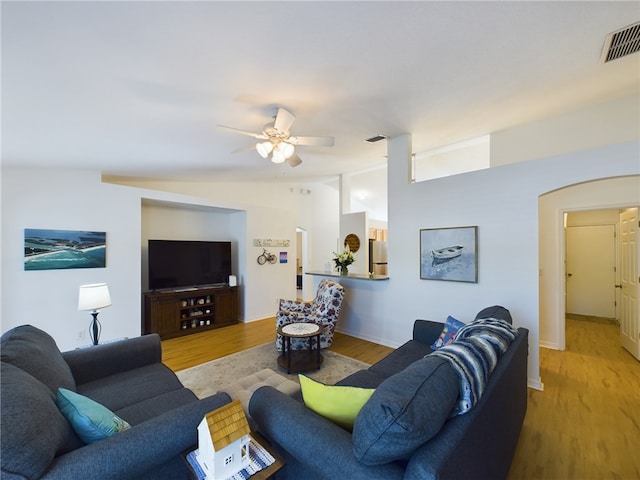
(629,282)
(590,255)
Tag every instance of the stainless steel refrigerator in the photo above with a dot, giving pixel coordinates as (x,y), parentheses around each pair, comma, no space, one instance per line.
(377,257)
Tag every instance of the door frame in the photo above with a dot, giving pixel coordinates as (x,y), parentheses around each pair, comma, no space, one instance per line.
(561,219)
(304,254)
(629,343)
(616,259)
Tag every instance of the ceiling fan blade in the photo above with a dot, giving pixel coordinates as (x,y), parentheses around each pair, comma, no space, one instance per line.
(243,149)
(294,160)
(284,120)
(313,141)
(244,132)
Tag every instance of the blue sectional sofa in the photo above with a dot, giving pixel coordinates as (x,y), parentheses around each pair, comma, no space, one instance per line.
(419,393)
(127,377)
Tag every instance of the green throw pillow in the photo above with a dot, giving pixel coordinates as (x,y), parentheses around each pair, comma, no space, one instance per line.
(90,420)
(337,403)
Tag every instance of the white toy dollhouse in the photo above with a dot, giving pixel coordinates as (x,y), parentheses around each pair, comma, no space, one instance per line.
(223,441)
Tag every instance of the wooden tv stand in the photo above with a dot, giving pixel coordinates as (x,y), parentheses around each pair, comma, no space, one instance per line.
(174,313)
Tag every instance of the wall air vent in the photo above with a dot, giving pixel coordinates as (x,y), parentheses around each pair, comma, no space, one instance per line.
(621,43)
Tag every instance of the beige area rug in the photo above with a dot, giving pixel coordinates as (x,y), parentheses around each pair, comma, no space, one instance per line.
(211,377)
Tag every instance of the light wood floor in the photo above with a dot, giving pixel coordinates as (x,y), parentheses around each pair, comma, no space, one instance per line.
(586,422)
(190,350)
(584,425)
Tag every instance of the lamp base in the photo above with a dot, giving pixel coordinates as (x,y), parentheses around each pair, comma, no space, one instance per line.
(95,328)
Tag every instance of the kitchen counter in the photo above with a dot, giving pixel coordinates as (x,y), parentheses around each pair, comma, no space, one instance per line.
(357,276)
(364,299)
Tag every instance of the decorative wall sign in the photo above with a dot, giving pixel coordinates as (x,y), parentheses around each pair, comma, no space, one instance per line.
(283,257)
(449,254)
(63,249)
(270,242)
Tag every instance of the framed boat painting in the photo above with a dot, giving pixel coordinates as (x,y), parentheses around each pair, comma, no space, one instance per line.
(449,254)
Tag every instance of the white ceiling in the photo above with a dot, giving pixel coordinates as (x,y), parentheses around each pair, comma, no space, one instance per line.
(137,88)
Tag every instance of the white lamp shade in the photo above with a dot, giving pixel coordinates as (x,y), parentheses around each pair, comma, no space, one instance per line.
(277,156)
(287,149)
(264,148)
(94,296)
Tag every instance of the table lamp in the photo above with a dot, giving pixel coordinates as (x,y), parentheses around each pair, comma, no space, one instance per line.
(94,297)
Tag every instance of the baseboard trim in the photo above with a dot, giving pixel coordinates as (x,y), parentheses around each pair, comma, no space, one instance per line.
(369,338)
(535,384)
(550,345)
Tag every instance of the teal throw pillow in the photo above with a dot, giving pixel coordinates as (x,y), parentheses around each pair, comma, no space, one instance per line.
(451,327)
(90,420)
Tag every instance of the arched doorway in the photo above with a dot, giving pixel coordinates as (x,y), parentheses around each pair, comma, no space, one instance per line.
(619,192)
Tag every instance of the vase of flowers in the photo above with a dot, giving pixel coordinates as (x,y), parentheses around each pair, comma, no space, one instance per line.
(343,260)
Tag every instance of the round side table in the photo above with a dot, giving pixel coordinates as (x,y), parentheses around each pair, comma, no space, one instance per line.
(298,361)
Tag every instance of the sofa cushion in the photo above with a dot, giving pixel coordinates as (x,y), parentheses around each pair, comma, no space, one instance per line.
(153,407)
(133,386)
(401,358)
(33,429)
(340,404)
(406,410)
(448,334)
(363,378)
(90,420)
(36,352)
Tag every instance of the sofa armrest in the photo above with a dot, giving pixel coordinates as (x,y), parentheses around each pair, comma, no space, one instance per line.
(285,317)
(426,331)
(131,453)
(501,410)
(317,446)
(294,305)
(92,363)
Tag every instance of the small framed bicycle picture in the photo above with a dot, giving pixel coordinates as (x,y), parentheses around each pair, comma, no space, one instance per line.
(449,254)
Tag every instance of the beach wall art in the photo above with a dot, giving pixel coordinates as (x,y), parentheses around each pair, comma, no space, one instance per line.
(449,254)
(64,249)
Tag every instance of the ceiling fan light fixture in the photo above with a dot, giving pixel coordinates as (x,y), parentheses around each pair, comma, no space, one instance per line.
(287,149)
(264,148)
(277,156)
(275,141)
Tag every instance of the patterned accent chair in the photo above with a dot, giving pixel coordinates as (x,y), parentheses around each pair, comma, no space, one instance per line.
(323,311)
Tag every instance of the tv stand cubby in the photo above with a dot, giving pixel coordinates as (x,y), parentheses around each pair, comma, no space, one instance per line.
(175,313)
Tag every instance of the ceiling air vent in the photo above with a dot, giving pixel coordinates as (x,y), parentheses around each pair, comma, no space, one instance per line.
(377,138)
(621,43)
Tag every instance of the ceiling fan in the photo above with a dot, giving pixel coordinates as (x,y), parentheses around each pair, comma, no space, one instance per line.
(277,141)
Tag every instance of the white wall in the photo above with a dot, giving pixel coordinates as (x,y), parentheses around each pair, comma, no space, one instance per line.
(607,123)
(357,224)
(593,217)
(265,284)
(48,299)
(318,214)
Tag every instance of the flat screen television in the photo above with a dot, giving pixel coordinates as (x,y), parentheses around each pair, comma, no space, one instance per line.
(176,264)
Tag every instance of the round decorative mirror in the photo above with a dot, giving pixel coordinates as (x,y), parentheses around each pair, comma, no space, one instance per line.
(353,242)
